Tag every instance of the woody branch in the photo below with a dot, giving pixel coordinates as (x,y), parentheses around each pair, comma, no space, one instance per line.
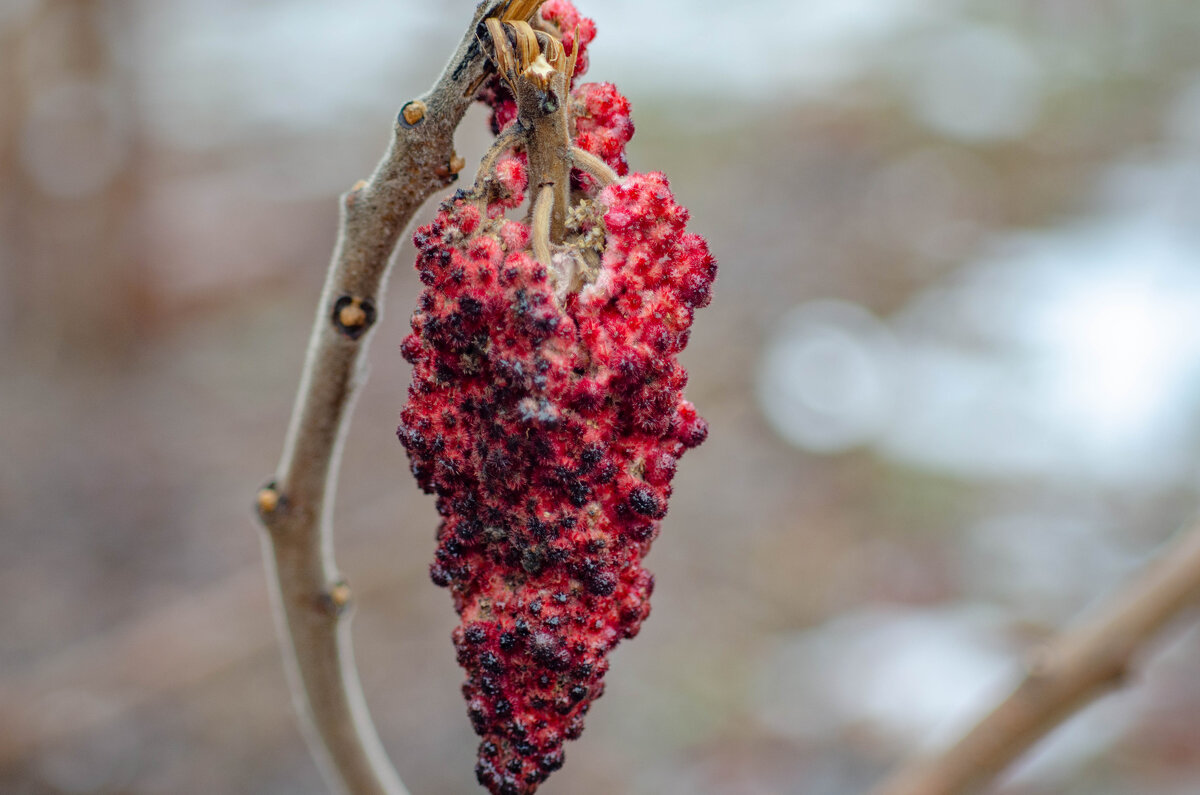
(1066,676)
(311,599)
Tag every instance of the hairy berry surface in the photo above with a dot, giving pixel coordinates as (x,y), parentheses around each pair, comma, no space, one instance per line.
(548,422)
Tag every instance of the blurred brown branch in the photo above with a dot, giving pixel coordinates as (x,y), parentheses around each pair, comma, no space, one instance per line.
(311,599)
(176,644)
(1065,676)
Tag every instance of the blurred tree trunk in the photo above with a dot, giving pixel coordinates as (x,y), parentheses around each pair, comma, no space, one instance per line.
(73,277)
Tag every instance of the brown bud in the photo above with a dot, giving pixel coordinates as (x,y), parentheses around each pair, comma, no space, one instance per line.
(353,316)
(413,112)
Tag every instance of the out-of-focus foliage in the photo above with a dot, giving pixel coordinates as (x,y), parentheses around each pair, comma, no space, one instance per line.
(952,371)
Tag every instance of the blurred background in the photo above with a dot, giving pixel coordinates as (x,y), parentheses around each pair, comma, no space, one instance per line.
(952,372)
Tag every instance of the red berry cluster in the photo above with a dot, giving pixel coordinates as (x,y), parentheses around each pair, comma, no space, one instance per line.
(602,125)
(548,422)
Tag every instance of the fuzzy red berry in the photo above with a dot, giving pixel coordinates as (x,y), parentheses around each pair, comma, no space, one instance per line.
(572,27)
(603,124)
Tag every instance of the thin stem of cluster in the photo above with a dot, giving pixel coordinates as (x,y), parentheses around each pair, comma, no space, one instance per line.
(312,601)
(540,226)
(587,162)
(1066,676)
(507,140)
